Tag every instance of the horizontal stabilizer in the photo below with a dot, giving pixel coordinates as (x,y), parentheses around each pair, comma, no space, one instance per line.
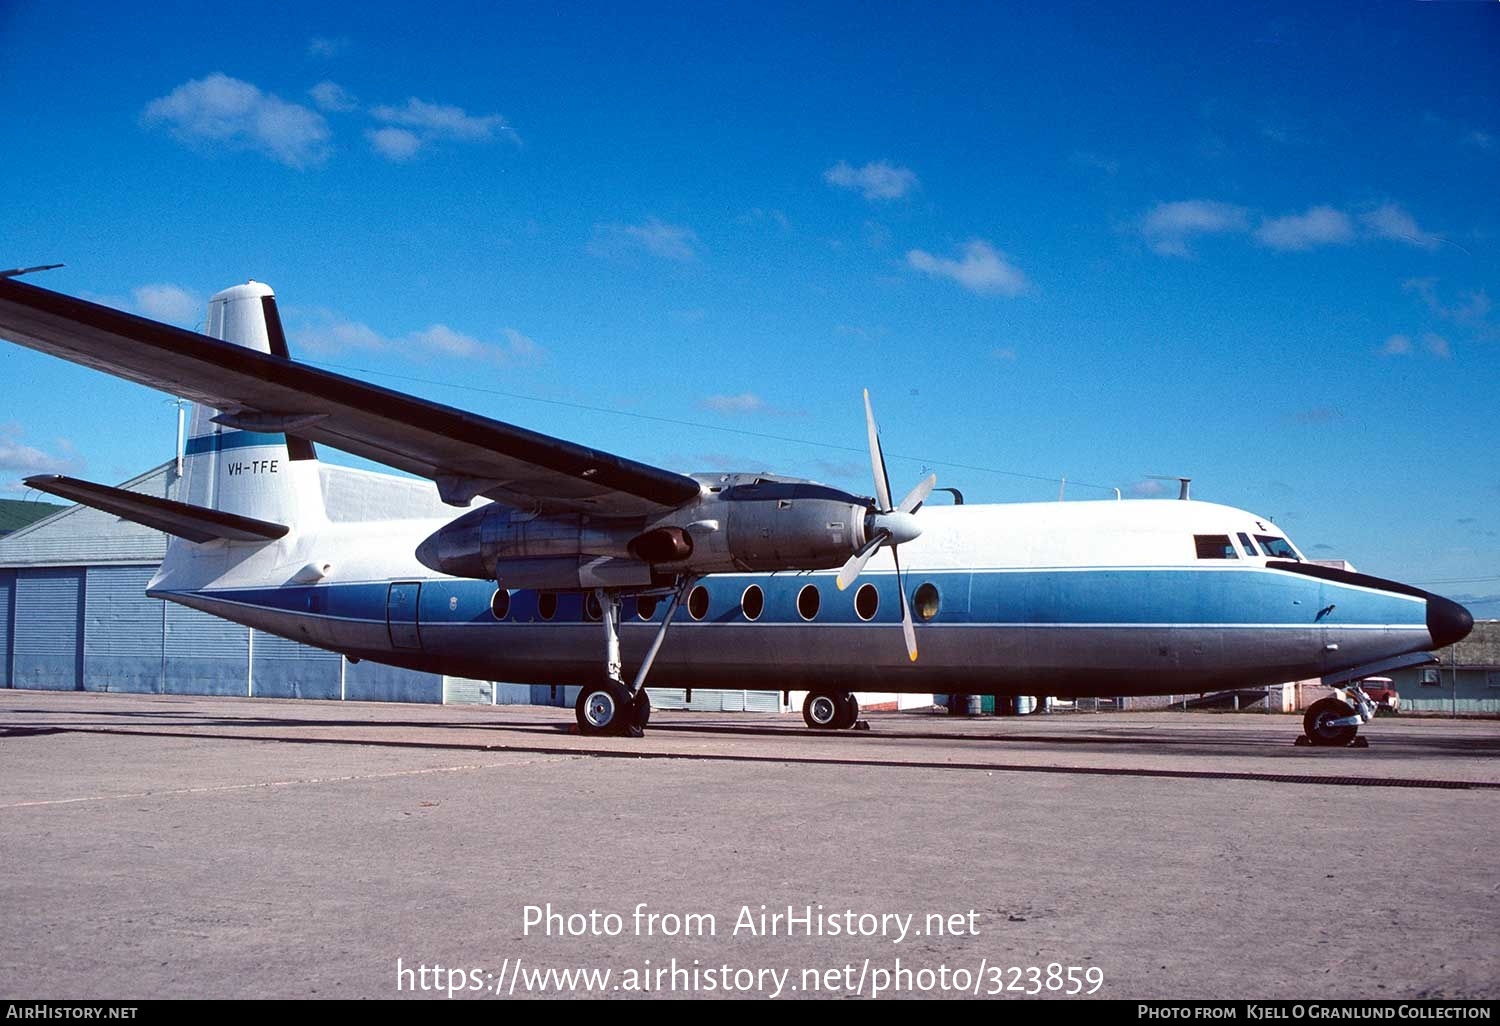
(195,523)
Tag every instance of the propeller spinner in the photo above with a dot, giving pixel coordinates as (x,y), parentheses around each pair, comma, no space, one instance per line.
(888,525)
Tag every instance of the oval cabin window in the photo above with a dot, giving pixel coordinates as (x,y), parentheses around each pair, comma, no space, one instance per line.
(698,603)
(753,602)
(808,602)
(924,602)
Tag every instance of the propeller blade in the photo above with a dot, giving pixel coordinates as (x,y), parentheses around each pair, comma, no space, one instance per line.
(918,495)
(877,459)
(856,564)
(908,630)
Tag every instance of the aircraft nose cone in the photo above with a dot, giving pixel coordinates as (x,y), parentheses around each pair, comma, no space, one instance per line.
(1447,621)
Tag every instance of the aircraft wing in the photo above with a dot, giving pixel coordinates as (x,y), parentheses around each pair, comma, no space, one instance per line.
(466,454)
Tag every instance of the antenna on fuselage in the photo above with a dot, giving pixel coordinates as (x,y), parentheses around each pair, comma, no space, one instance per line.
(1183,483)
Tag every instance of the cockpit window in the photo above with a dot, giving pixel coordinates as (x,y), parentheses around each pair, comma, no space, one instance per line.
(1215,546)
(1276,548)
(1247,544)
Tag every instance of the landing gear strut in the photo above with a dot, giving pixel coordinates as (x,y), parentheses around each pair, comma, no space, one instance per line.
(1335,722)
(613,707)
(830,710)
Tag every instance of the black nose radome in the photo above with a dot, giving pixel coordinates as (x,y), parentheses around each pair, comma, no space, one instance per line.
(1447,621)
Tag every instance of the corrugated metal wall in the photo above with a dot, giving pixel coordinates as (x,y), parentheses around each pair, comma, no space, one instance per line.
(7,611)
(121,631)
(376,682)
(49,628)
(204,655)
(286,669)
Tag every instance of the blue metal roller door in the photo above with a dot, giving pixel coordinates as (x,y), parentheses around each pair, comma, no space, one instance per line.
(204,655)
(7,610)
(122,635)
(49,629)
(368,681)
(286,669)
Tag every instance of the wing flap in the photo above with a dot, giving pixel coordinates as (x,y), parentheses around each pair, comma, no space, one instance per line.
(513,465)
(181,519)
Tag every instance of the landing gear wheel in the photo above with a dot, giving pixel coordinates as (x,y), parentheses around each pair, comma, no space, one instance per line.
(639,715)
(603,709)
(848,711)
(1317,722)
(822,710)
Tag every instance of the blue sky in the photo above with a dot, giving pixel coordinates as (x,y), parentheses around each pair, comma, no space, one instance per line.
(1258,246)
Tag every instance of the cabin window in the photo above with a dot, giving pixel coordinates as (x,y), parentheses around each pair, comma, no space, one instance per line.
(1276,548)
(1215,546)
(500,604)
(924,601)
(546,605)
(808,601)
(1248,545)
(1432,677)
(753,602)
(866,601)
(645,606)
(698,603)
(591,607)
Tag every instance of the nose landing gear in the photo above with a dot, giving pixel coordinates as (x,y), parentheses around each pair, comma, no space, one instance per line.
(1334,722)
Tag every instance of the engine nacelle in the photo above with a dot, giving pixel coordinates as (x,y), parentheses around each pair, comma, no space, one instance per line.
(740,522)
(475,543)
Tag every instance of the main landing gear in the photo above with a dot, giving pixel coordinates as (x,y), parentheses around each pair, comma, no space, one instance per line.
(830,710)
(613,707)
(1335,722)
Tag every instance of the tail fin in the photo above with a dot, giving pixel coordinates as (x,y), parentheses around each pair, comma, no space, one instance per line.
(229,466)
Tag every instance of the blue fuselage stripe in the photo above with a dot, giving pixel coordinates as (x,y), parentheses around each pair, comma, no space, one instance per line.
(1042,598)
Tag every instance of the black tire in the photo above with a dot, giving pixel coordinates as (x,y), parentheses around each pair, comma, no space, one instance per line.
(1315,723)
(603,709)
(848,711)
(821,710)
(642,709)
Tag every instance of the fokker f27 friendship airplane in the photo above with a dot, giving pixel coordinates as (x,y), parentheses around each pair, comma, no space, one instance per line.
(575,570)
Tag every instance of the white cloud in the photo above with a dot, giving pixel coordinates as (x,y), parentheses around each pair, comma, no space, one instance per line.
(1396,345)
(23,460)
(429,122)
(223,111)
(1168,227)
(394,143)
(522,348)
(669,241)
(1320,226)
(1004,353)
(171,303)
(325,46)
(324,333)
(1438,346)
(877,180)
(1482,139)
(1391,222)
(745,402)
(332,97)
(982,269)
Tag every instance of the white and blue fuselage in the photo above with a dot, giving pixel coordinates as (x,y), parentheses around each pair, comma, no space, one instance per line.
(1075,598)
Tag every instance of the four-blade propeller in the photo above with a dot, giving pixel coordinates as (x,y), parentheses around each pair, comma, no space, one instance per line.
(888,525)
